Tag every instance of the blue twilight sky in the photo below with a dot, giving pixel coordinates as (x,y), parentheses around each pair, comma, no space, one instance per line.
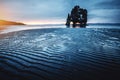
(35,11)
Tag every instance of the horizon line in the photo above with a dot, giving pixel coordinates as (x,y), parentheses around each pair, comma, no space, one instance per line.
(64,23)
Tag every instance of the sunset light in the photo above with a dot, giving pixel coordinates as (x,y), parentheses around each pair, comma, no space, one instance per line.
(6,13)
(40,22)
(59,40)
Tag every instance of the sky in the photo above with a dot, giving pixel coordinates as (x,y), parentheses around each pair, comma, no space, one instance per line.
(56,11)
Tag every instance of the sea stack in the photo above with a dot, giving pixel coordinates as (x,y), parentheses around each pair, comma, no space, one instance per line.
(78,17)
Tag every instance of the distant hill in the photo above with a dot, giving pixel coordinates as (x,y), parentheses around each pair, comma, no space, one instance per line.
(4,22)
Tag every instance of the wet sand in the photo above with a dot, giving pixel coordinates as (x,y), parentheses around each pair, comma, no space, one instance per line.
(60,54)
(3,27)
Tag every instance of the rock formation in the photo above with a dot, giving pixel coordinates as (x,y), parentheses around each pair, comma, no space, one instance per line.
(78,17)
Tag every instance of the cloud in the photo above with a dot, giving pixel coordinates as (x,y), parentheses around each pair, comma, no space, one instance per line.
(108,4)
(35,9)
(107,15)
(21,10)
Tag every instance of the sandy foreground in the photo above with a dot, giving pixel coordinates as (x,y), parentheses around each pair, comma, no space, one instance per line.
(60,54)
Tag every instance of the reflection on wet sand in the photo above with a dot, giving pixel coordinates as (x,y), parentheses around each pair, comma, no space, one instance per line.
(14,28)
(3,27)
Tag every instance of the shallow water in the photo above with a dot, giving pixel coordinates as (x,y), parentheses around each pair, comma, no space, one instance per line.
(60,54)
(7,29)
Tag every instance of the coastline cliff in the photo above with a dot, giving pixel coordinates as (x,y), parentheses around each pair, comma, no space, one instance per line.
(4,22)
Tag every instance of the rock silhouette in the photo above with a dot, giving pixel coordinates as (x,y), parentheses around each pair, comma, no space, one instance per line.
(78,17)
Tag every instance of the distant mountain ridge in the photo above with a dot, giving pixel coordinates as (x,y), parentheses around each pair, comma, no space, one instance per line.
(4,22)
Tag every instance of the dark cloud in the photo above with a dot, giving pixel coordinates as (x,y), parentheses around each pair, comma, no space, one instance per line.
(108,4)
(107,10)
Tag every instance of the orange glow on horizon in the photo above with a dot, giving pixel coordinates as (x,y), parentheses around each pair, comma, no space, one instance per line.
(5,12)
(40,22)
(8,15)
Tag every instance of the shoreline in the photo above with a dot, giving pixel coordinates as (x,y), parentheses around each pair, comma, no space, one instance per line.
(3,27)
(12,28)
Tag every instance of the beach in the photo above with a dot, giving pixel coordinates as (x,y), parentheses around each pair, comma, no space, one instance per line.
(60,54)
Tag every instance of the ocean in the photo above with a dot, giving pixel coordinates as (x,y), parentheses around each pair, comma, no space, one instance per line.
(53,52)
